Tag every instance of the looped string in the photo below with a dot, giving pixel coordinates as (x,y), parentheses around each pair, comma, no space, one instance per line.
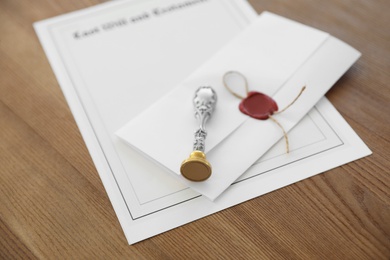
(229,89)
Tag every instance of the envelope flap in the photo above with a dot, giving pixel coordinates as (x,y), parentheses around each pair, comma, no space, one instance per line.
(278,57)
(269,52)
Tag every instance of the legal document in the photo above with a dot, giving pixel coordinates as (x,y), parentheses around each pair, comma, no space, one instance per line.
(115,60)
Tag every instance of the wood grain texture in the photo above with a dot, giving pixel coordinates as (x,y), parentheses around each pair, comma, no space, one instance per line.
(53,204)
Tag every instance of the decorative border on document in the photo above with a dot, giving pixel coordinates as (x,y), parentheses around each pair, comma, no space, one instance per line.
(197,196)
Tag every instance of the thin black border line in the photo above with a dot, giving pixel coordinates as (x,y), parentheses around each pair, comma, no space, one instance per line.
(88,117)
(169,194)
(283,165)
(50,29)
(167,207)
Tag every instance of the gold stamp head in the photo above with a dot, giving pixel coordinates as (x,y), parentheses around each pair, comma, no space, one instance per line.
(196,167)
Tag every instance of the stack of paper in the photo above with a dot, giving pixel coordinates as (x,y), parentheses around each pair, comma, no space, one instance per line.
(131,68)
(279,56)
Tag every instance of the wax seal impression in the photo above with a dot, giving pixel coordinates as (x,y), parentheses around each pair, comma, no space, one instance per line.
(258,105)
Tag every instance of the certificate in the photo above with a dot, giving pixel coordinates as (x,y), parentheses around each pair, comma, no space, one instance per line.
(116,59)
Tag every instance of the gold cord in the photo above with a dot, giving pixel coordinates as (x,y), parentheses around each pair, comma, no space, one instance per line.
(284,133)
(289,105)
(227,86)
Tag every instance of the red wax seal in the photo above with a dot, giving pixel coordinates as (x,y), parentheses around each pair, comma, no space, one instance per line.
(258,105)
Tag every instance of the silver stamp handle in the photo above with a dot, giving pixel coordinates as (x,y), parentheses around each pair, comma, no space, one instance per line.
(205,100)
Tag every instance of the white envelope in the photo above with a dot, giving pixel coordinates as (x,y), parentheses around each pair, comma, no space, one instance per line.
(278,56)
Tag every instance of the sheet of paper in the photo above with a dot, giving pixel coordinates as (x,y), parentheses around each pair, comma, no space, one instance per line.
(114,60)
(279,56)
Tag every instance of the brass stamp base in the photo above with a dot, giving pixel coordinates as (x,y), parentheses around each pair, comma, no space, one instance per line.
(196,167)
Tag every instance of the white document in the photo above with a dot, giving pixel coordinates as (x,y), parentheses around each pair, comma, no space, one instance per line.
(114,60)
(279,56)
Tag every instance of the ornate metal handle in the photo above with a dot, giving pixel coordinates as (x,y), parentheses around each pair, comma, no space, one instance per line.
(204,102)
(196,167)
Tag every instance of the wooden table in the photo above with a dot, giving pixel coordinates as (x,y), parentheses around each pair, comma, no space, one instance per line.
(53,204)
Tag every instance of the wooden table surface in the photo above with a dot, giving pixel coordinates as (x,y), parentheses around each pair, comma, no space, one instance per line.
(53,204)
